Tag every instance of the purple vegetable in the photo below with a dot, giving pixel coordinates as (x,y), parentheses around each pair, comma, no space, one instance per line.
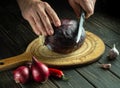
(64,38)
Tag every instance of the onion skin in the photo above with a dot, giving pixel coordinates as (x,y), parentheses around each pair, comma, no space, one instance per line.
(40,71)
(21,74)
(64,38)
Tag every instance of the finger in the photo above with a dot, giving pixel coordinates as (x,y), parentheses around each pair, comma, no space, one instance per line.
(93,3)
(38,23)
(86,5)
(45,20)
(32,23)
(75,7)
(50,19)
(52,14)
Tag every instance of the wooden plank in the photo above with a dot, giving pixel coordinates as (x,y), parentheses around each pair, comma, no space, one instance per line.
(95,76)
(16,36)
(99,77)
(16,31)
(111,22)
(107,35)
(14,10)
(109,40)
(75,80)
(6,81)
(5,43)
(32,84)
(115,63)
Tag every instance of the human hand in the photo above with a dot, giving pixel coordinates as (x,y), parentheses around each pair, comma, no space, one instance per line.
(40,15)
(86,5)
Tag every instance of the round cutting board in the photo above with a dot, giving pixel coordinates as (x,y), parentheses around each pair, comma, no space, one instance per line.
(90,51)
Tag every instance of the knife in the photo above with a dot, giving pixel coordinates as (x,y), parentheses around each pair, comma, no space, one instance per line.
(80,28)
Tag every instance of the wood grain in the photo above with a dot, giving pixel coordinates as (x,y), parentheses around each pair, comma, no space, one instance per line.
(92,48)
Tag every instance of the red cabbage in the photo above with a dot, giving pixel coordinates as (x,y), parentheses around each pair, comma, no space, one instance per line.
(64,38)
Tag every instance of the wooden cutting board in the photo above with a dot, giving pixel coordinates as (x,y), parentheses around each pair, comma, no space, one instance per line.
(89,52)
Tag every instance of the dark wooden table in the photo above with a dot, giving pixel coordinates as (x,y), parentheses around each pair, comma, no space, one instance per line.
(16,34)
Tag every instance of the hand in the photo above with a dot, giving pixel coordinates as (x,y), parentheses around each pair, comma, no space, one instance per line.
(40,15)
(86,5)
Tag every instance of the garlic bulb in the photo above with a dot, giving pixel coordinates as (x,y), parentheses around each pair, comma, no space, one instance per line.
(105,66)
(113,53)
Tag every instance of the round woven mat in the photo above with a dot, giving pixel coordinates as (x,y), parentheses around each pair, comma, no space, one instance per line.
(92,48)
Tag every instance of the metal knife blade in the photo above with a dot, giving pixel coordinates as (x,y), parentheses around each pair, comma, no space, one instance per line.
(81,28)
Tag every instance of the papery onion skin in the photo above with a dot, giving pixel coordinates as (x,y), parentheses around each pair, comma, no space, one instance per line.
(21,74)
(40,71)
(64,38)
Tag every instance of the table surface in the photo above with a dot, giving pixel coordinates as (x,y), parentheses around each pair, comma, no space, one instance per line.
(16,34)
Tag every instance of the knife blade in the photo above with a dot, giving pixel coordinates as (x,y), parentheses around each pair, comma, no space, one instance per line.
(80,28)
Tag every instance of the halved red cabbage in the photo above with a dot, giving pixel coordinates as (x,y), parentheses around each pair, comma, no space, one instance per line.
(64,38)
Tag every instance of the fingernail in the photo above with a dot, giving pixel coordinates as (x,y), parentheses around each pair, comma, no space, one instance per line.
(37,33)
(58,23)
(51,32)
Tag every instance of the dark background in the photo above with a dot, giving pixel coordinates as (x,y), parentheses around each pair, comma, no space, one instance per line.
(110,7)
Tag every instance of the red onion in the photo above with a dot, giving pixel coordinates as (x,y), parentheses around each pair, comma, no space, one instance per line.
(40,71)
(21,74)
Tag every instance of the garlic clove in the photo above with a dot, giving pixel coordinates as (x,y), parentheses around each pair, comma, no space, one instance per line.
(105,66)
(113,53)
